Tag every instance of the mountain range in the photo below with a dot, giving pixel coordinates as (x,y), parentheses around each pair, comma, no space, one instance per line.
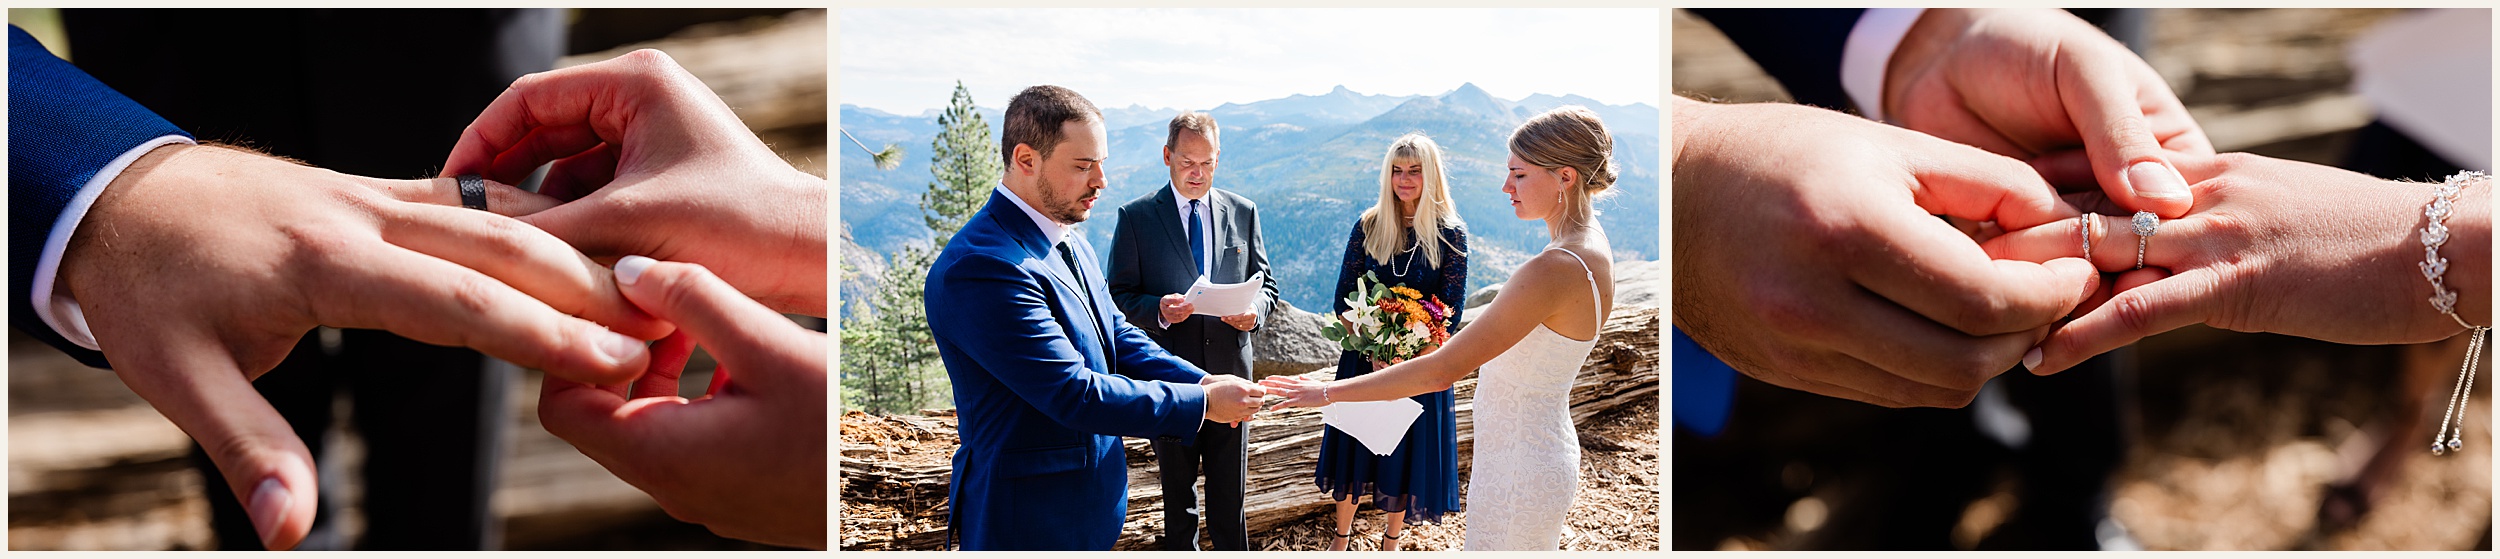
(1310,162)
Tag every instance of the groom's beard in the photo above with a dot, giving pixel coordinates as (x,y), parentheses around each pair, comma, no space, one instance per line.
(1067,208)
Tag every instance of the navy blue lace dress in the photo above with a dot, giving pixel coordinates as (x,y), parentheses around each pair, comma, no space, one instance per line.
(1420,479)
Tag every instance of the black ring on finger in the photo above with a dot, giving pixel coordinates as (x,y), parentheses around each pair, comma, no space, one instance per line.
(472,192)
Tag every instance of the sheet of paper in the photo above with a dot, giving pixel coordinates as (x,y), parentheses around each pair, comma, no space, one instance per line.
(1225,299)
(1379,425)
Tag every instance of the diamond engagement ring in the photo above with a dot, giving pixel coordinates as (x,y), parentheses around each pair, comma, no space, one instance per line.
(2146,224)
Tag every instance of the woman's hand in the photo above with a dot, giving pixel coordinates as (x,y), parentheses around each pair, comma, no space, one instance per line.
(747,460)
(1300,391)
(2273,246)
(652,163)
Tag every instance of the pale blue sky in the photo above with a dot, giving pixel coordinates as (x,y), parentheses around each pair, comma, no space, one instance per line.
(906,61)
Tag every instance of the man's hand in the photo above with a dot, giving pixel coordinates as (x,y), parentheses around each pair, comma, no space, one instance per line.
(1177,308)
(653,163)
(1244,322)
(199,268)
(1809,255)
(2038,84)
(1231,399)
(746,460)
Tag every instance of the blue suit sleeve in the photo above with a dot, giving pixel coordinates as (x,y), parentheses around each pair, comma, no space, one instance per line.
(1799,47)
(1021,343)
(1140,357)
(64,127)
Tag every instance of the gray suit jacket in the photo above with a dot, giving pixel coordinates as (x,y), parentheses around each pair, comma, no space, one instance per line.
(1150,258)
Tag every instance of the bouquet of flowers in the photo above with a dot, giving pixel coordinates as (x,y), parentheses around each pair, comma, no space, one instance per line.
(1389,324)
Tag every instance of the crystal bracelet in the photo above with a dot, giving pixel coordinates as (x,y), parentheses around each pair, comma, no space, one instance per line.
(2434,268)
(2435,234)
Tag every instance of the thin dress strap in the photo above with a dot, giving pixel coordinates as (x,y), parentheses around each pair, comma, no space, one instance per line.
(1595,301)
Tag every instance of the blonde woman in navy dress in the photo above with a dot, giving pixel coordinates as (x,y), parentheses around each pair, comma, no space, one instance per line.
(1413,237)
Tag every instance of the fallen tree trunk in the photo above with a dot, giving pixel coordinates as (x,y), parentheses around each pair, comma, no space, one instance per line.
(895,468)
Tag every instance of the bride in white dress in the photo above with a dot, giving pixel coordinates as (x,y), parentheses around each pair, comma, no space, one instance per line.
(1529,343)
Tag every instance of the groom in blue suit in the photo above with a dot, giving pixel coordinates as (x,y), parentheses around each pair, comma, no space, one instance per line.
(1047,375)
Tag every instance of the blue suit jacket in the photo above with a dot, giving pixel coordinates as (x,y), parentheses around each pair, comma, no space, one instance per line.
(64,126)
(1040,466)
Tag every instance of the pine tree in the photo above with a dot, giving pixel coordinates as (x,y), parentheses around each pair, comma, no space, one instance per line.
(965,161)
(889,360)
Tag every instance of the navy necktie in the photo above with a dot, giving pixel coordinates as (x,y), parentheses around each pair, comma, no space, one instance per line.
(1197,237)
(1093,315)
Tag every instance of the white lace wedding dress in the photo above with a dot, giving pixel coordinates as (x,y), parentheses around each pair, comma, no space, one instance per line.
(1527,463)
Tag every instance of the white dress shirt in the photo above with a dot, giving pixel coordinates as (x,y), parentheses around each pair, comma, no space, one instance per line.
(1867,55)
(1206,206)
(55,307)
(1180,204)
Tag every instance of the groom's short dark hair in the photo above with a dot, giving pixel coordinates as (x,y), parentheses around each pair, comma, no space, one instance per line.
(1036,116)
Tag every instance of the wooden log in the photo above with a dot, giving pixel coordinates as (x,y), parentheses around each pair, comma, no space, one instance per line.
(894,469)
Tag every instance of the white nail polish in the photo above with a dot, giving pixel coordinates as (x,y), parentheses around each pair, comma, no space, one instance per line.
(268,507)
(629,269)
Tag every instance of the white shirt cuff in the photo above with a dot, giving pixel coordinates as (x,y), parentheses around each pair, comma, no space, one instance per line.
(1865,57)
(58,310)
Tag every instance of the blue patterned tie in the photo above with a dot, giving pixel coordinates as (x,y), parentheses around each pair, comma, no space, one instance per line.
(1197,237)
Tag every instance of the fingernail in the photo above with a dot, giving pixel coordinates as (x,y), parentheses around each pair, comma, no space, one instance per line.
(2031,359)
(629,269)
(268,509)
(2152,179)
(619,348)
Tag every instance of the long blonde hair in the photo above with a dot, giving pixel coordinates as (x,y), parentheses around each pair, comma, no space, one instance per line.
(1383,235)
(1570,136)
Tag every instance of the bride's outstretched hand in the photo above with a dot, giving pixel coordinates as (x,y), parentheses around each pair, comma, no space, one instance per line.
(653,163)
(1299,392)
(2271,246)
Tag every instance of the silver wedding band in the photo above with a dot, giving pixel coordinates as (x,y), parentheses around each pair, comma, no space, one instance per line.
(2088,220)
(472,192)
(2146,224)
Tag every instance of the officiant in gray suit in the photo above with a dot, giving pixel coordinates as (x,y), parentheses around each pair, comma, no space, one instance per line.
(1161,245)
